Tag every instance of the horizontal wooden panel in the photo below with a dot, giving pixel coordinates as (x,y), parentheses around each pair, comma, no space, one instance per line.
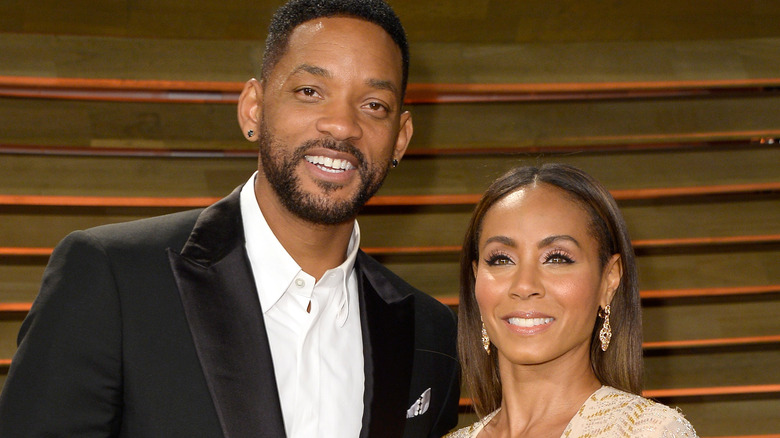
(697,319)
(472,59)
(79,123)
(751,365)
(142,176)
(730,418)
(438,274)
(761,398)
(20,281)
(491,20)
(744,416)
(384,226)
(738,418)
(9,329)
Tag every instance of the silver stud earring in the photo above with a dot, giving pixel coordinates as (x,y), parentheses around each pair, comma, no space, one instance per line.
(250,133)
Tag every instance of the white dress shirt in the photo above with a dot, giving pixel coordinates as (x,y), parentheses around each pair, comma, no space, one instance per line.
(317,355)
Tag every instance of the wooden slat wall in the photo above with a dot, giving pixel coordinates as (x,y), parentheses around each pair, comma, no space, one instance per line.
(124,111)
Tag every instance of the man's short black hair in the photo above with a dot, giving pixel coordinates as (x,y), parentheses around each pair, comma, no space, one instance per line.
(296,12)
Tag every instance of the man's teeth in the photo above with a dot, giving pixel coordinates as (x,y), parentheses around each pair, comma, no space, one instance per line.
(329,164)
(529,322)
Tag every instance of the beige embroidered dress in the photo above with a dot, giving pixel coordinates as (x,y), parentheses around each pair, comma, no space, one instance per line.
(609,413)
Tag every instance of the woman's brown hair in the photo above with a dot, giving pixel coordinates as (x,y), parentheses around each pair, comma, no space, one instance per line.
(621,365)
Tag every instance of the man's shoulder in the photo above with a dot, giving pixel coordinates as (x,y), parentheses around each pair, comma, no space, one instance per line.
(165,230)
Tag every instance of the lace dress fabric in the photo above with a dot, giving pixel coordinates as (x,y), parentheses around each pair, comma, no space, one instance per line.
(611,413)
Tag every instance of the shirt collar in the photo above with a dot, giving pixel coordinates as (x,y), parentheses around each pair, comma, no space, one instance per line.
(273,268)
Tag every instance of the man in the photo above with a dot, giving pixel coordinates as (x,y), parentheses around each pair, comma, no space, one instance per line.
(258,316)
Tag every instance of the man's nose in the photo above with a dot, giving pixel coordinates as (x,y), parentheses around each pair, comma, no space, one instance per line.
(340,121)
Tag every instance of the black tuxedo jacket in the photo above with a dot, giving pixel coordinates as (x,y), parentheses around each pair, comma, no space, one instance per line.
(153,328)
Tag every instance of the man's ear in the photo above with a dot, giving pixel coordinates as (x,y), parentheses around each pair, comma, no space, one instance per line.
(613,273)
(405,131)
(250,104)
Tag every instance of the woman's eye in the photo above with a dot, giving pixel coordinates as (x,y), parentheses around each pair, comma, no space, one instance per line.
(498,260)
(557,258)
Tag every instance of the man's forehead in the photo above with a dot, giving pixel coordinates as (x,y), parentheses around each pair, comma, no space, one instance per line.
(338,24)
(312,43)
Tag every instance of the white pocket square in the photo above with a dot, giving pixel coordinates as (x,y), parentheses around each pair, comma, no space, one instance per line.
(420,406)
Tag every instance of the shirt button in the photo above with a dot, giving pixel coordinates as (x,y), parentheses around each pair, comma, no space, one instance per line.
(299,282)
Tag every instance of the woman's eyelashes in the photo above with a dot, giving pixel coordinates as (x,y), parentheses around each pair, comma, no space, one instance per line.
(554,257)
(557,256)
(498,258)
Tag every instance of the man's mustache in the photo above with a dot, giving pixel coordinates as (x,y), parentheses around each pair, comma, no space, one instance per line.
(329,143)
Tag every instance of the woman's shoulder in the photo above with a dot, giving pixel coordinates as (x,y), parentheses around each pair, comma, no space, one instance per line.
(473,430)
(612,412)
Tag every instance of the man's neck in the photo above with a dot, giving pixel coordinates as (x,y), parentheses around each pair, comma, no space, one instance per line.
(316,248)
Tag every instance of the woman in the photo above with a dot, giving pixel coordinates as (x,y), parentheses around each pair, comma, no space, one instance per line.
(549,318)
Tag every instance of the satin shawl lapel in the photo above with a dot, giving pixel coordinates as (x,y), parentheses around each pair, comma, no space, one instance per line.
(387,319)
(223,311)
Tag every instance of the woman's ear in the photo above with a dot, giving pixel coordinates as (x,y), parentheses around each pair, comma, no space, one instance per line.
(250,104)
(610,280)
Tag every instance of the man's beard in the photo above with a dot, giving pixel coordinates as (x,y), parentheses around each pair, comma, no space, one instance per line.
(279,168)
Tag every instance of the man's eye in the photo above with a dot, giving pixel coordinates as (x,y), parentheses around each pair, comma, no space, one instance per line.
(376,106)
(309,92)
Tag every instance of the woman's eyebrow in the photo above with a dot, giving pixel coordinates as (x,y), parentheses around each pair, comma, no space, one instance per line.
(508,241)
(552,239)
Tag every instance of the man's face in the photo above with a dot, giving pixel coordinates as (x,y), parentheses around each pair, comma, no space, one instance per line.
(330,118)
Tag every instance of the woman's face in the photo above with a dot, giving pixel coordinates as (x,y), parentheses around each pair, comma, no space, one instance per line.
(539,282)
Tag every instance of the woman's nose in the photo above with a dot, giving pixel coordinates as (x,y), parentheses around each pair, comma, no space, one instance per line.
(526,283)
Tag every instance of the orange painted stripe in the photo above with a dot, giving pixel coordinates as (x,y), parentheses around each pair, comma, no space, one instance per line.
(700,241)
(722,342)
(711,292)
(385,200)
(465,402)
(454,249)
(21,252)
(420,93)
(15,307)
(679,293)
(717,390)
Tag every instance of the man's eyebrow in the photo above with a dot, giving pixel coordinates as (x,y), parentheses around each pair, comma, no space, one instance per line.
(552,239)
(382,85)
(312,69)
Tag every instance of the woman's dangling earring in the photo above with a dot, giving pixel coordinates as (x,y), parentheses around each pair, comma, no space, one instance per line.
(485,339)
(605,335)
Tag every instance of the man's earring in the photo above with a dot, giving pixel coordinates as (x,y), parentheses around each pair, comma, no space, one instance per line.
(395,163)
(605,335)
(250,133)
(485,340)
